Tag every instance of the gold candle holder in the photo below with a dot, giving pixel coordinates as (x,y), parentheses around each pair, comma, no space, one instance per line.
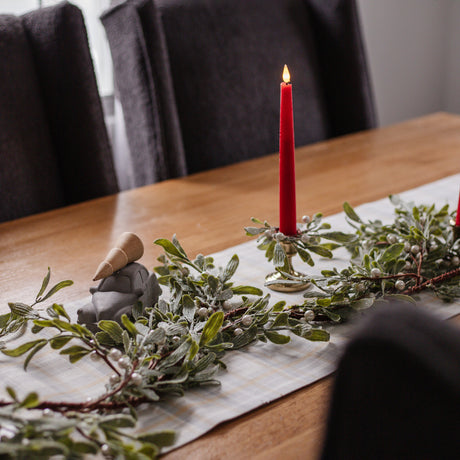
(455,229)
(277,276)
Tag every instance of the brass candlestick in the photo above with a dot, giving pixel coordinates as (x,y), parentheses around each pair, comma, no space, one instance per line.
(298,285)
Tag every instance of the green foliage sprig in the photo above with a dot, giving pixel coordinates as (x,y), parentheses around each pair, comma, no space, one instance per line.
(14,324)
(308,240)
(37,428)
(160,350)
(416,252)
(208,292)
(32,433)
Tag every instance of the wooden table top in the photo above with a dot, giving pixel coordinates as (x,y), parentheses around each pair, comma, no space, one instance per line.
(207,211)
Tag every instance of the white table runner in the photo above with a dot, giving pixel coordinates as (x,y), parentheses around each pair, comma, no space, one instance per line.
(257,374)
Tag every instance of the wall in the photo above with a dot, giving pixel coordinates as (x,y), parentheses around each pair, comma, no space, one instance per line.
(411,48)
(451,101)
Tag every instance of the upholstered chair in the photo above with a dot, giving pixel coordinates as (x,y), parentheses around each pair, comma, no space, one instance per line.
(397,390)
(54,147)
(199,80)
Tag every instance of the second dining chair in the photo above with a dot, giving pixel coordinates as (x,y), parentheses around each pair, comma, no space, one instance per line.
(54,146)
(198,80)
(397,389)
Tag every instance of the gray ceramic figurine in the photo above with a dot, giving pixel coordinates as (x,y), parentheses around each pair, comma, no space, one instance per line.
(124,282)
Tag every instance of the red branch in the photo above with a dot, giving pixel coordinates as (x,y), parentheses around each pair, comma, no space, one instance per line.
(64,406)
(436,280)
(235,312)
(91,405)
(387,277)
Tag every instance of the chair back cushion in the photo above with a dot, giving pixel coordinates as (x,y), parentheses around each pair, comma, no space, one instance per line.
(343,65)
(29,177)
(397,389)
(144,87)
(54,147)
(227,58)
(59,44)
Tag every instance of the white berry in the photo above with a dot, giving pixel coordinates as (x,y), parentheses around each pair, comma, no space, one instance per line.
(400,285)
(360,287)
(94,356)
(105,449)
(309,315)
(136,378)
(115,354)
(238,331)
(123,362)
(407,246)
(227,306)
(176,339)
(280,236)
(367,244)
(202,312)
(375,272)
(305,238)
(391,238)
(114,379)
(246,320)
(408,265)
(455,261)
(415,249)
(306,219)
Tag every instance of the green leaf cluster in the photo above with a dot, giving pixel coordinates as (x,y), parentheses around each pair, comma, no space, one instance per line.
(15,323)
(308,240)
(417,251)
(74,435)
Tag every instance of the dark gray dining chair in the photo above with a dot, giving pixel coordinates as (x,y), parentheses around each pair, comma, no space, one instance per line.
(198,80)
(397,390)
(54,146)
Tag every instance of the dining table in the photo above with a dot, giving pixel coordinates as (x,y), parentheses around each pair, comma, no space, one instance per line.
(208,211)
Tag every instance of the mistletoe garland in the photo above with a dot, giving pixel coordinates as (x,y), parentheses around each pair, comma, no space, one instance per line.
(163,349)
(167,348)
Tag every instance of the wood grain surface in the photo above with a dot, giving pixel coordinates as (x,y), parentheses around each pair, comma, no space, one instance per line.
(208,211)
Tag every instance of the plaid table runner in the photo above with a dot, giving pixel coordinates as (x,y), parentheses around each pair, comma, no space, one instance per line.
(257,374)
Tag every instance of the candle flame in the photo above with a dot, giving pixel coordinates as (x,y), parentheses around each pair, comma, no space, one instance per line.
(286,74)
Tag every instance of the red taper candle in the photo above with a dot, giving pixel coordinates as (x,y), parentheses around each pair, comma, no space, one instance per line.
(457,219)
(287,162)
